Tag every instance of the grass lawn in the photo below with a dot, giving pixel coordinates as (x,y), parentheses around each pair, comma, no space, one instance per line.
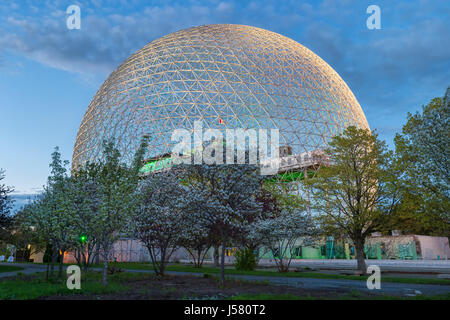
(35,286)
(127,285)
(9,268)
(228,271)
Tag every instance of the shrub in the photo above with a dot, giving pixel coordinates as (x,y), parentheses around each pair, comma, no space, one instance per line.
(245,260)
(112,269)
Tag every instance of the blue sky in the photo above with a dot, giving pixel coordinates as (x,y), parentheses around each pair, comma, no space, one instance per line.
(48,74)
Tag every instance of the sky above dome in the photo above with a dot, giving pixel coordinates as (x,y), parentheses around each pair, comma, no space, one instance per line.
(49,74)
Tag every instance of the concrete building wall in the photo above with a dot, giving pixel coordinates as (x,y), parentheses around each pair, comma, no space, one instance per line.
(434,248)
(69,257)
(37,257)
(403,247)
(129,250)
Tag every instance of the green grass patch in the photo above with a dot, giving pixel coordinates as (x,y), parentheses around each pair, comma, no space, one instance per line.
(9,268)
(268,273)
(211,270)
(127,265)
(33,287)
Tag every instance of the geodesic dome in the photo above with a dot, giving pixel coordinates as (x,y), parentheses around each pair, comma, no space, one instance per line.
(228,76)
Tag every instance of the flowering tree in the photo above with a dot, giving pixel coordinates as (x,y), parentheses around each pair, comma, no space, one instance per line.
(284,225)
(90,210)
(281,234)
(224,196)
(158,221)
(116,189)
(197,237)
(270,202)
(85,206)
(50,215)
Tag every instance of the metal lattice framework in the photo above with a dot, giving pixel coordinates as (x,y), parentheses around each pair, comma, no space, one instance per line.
(228,76)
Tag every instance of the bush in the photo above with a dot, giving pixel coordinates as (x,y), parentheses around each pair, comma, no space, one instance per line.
(113,269)
(245,260)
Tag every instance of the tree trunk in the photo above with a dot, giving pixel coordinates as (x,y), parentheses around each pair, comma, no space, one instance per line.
(105,266)
(54,258)
(197,259)
(162,265)
(359,246)
(97,255)
(78,257)
(154,259)
(85,261)
(105,273)
(216,256)
(222,260)
(61,263)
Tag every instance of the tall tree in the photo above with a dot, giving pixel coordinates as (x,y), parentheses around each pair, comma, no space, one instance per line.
(353,193)
(85,206)
(429,133)
(424,154)
(51,215)
(117,183)
(5,205)
(59,185)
